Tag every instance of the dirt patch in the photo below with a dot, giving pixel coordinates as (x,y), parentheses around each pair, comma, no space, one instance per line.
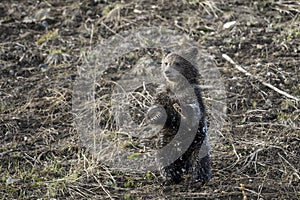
(43,44)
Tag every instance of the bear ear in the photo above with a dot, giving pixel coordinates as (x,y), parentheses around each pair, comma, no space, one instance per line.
(190,54)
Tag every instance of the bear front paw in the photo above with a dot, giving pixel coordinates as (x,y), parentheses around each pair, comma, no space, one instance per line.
(156,115)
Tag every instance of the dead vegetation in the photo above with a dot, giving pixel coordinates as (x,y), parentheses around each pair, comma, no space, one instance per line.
(44,43)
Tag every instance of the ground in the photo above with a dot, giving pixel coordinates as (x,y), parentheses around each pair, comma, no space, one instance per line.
(42,43)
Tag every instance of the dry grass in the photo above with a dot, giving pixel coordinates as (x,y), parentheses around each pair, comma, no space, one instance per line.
(256,153)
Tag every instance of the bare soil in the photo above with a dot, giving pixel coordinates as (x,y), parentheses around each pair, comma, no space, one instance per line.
(43,43)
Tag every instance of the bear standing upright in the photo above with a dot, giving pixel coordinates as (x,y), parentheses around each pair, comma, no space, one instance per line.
(183,143)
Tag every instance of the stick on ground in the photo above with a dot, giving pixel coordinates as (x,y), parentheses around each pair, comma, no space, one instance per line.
(241,69)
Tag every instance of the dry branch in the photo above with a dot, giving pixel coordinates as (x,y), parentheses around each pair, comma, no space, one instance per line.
(241,69)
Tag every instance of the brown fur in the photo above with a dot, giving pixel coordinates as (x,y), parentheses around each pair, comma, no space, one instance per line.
(191,163)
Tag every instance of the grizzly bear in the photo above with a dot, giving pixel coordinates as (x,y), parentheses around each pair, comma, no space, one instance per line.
(183,141)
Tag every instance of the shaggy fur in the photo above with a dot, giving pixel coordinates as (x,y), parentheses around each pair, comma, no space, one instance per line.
(181,109)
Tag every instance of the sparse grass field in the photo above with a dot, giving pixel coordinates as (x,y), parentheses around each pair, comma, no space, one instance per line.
(257,155)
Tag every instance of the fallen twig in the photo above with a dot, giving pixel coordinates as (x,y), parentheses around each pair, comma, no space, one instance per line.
(241,69)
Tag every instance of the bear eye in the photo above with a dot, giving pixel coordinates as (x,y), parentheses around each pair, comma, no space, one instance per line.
(166,63)
(176,63)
